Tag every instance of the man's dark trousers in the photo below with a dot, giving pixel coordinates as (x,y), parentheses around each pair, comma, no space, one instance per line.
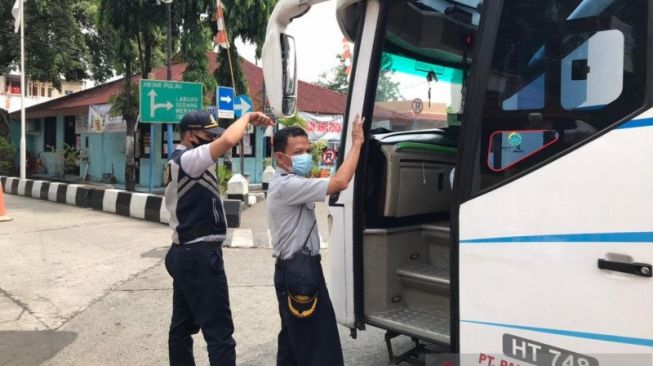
(307,342)
(200,300)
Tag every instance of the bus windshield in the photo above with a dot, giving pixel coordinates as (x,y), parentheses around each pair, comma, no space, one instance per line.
(422,74)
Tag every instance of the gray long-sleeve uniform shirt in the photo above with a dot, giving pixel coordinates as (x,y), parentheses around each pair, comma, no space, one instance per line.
(289,224)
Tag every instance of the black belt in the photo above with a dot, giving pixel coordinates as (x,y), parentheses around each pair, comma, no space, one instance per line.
(199,245)
(284,262)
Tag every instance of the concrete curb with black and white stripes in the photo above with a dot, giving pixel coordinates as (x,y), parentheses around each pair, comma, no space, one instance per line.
(130,204)
(143,206)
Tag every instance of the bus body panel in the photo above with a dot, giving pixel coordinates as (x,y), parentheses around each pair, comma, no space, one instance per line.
(529,251)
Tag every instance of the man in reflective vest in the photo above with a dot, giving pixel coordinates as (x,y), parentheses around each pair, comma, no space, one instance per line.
(200,297)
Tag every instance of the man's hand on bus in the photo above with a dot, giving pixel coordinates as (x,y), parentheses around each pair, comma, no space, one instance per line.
(357,137)
(340,181)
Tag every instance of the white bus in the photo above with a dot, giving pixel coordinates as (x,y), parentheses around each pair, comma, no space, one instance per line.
(540,251)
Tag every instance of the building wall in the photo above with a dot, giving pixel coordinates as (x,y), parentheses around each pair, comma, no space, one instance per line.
(158,164)
(106,153)
(11,100)
(34,142)
(253,166)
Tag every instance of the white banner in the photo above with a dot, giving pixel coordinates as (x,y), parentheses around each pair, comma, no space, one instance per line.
(100,120)
(323,127)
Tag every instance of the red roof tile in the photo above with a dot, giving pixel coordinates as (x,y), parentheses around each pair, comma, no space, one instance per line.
(312,98)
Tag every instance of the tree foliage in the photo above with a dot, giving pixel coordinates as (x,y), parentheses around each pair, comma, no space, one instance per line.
(196,40)
(386,91)
(295,120)
(61,41)
(7,153)
(246,19)
(336,79)
(136,32)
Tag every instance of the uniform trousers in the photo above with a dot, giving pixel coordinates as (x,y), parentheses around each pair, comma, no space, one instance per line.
(313,341)
(200,300)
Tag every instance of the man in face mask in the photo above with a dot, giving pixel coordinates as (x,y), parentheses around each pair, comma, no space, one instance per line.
(309,334)
(200,297)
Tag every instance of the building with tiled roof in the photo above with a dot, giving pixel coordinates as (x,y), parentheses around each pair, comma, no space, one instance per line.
(65,120)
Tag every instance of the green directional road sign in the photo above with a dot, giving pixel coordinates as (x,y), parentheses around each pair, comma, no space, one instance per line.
(168,101)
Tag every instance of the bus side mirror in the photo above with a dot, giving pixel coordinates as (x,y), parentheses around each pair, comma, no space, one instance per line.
(280,72)
(289,62)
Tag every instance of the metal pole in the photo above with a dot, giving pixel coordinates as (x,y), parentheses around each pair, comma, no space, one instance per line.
(169,76)
(151,156)
(169,40)
(23,142)
(240,144)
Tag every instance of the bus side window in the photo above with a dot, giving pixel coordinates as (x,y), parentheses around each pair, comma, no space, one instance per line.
(562,71)
(592,72)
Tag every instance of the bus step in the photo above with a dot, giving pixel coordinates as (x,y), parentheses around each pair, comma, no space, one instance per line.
(439,231)
(430,326)
(425,275)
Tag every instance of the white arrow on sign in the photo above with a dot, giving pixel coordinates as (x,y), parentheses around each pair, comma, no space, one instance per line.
(243,106)
(153,106)
(226,99)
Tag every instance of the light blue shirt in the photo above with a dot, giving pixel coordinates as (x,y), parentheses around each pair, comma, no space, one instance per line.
(291,212)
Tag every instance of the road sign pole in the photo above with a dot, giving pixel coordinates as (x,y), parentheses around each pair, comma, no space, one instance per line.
(242,105)
(170,140)
(169,72)
(151,156)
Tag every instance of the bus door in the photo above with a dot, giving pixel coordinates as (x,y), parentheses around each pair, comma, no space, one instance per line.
(342,219)
(556,220)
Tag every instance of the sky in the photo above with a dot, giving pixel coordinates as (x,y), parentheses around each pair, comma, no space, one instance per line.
(318,40)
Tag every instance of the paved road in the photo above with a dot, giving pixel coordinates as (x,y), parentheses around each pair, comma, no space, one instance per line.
(80,287)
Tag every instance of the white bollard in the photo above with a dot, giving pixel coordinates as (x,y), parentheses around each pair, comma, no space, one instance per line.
(251,200)
(237,187)
(268,174)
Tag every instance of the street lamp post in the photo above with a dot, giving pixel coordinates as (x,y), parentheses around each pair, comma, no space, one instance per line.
(169,71)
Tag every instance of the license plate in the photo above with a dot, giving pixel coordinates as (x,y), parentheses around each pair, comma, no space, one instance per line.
(543,355)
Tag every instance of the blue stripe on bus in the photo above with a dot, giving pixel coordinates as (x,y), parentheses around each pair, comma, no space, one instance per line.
(632,237)
(570,333)
(637,123)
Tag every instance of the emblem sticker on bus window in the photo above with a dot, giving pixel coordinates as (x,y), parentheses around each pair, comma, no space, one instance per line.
(507,148)
(514,138)
(543,355)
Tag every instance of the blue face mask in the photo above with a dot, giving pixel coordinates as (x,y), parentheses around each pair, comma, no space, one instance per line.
(301,164)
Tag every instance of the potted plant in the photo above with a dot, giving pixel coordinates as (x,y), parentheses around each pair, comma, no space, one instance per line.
(315,171)
(325,173)
(224,174)
(266,163)
(70,158)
